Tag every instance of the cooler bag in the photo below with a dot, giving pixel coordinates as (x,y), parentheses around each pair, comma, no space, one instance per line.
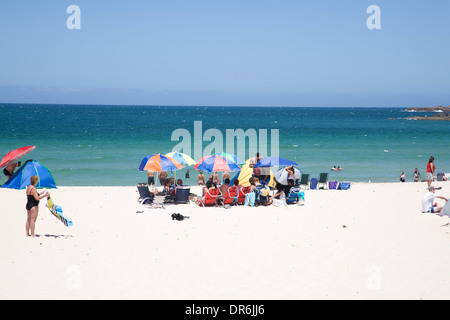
(344,186)
(332,184)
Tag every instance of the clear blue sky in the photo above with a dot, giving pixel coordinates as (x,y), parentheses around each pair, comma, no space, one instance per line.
(226,52)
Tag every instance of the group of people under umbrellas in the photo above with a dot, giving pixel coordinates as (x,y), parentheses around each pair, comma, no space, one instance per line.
(284,178)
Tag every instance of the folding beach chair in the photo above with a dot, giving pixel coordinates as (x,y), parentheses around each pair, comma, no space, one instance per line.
(242,192)
(144,194)
(230,196)
(304,181)
(147,199)
(182,195)
(210,198)
(323,179)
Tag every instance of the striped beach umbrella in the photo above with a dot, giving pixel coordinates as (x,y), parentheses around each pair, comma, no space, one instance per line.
(231,156)
(215,163)
(159,162)
(182,158)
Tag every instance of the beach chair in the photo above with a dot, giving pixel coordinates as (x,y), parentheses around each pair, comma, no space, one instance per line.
(304,181)
(230,196)
(169,198)
(144,194)
(323,180)
(440,176)
(210,198)
(294,196)
(182,195)
(242,192)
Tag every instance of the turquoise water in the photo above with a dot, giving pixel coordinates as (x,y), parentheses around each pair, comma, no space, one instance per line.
(86,145)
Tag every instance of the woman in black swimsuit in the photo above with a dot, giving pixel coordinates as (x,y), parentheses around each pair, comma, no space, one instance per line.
(32,206)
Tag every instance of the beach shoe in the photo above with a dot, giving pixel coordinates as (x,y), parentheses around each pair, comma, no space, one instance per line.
(177,216)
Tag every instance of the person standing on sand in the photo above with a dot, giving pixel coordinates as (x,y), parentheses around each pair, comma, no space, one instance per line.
(201,179)
(225,175)
(33,198)
(430,171)
(163,177)
(215,178)
(151,177)
(256,171)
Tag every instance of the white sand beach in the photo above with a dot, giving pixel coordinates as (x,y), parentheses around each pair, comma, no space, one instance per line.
(369,242)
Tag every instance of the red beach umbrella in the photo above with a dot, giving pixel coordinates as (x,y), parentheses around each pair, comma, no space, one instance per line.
(14,155)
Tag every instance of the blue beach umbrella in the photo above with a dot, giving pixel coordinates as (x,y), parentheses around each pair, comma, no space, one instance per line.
(274,162)
(21,178)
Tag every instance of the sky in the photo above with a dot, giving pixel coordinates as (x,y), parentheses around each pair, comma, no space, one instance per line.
(226,53)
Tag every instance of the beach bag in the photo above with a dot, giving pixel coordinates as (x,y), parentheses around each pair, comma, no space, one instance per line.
(264,192)
(279,203)
(332,185)
(344,186)
(295,197)
(250,199)
(313,183)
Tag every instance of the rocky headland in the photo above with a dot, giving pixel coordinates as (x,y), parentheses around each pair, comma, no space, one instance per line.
(439,113)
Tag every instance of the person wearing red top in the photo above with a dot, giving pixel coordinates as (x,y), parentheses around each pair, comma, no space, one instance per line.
(430,171)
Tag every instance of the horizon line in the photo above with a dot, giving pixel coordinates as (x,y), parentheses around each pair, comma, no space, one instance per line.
(194,106)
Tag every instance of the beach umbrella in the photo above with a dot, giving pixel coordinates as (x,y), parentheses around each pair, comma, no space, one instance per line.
(282,175)
(230,156)
(21,178)
(216,163)
(159,162)
(246,173)
(14,155)
(274,162)
(182,158)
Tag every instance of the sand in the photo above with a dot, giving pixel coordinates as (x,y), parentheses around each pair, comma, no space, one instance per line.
(369,242)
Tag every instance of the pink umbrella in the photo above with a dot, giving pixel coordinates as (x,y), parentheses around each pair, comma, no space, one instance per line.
(14,155)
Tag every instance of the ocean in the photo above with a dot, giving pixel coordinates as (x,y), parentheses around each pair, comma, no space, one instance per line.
(93,145)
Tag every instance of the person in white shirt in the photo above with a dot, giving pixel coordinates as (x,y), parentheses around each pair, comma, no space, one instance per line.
(428,204)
